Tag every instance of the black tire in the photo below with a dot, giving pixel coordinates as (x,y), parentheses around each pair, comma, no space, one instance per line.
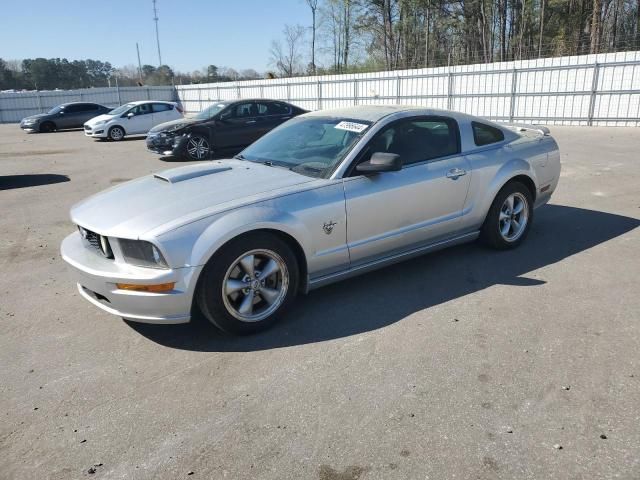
(198,147)
(47,127)
(116,133)
(491,234)
(218,307)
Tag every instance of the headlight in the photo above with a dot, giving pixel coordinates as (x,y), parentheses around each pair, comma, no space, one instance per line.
(175,128)
(29,120)
(100,122)
(141,253)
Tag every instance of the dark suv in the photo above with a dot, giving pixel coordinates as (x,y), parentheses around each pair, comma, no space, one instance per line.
(67,115)
(225,126)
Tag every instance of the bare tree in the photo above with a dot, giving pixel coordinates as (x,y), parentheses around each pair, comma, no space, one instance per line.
(286,56)
(313,5)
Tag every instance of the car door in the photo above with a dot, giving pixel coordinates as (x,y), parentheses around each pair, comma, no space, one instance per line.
(237,126)
(86,112)
(273,114)
(141,121)
(67,117)
(392,212)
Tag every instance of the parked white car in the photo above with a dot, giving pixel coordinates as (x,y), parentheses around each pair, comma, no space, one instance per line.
(135,118)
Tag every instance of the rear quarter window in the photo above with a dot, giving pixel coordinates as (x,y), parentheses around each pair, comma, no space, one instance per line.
(486,134)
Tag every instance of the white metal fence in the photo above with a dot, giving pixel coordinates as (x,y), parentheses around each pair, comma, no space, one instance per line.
(15,106)
(580,90)
(599,89)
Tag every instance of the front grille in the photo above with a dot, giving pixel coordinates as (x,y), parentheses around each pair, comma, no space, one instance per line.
(96,242)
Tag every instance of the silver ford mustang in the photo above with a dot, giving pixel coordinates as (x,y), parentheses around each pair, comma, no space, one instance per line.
(325,196)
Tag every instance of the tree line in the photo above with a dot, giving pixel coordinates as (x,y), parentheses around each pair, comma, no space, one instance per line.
(359,35)
(56,73)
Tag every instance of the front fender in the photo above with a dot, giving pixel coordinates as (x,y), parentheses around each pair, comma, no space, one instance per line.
(237,222)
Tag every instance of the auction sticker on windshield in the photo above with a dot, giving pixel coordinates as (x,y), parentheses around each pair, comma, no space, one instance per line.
(351,126)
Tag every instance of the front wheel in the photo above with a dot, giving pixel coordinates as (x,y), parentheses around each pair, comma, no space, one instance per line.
(116,134)
(198,148)
(248,283)
(47,127)
(509,218)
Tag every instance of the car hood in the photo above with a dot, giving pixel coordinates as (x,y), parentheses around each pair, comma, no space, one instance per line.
(94,120)
(169,199)
(168,125)
(35,117)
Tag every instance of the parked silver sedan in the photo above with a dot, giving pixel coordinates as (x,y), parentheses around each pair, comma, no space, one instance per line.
(327,195)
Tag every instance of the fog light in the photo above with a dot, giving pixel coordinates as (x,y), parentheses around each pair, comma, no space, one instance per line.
(162,287)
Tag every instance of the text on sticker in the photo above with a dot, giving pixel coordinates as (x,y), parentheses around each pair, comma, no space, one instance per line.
(351,126)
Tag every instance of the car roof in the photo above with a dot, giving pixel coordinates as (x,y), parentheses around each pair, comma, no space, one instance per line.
(374,113)
(139,102)
(77,103)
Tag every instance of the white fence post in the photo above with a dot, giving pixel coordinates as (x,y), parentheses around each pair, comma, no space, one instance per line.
(319,95)
(594,92)
(449,90)
(355,91)
(39,102)
(398,89)
(514,84)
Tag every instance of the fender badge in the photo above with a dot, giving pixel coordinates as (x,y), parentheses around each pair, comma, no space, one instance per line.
(328,227)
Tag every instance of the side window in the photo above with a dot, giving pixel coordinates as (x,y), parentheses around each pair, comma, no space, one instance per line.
(244,110)
(417,140)
(263,109)
(142,109)
(486,134)
(161,107)
(89,107)
(277,108)
(72,109)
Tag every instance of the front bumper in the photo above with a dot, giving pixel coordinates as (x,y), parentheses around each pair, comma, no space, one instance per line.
(30,127)
(97,276)
(164,144)
(96,132)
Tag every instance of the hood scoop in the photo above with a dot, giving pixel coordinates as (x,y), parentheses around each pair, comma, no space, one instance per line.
(182,174)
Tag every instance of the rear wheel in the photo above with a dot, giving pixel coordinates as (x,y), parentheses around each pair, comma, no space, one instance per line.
(509,218)
(47,127)
(248,283)
(116,133)
(198,148)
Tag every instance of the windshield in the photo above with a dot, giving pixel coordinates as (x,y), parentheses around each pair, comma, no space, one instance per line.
(121,109)
(210,111)
(57,109)
(312,146)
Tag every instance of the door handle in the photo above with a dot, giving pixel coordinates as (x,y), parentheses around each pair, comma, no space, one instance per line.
(455,173)
(249,122)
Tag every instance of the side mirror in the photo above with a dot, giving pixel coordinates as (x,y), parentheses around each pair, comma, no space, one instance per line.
(130,115)
(381,162)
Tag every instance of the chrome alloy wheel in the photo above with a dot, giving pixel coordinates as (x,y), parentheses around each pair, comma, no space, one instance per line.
(255,285)
(514,215)
(198,148)
(116,133)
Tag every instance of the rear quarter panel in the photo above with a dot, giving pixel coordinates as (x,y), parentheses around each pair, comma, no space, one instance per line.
(493,167)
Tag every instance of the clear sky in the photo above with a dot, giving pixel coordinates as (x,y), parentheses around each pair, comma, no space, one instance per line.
(193,33)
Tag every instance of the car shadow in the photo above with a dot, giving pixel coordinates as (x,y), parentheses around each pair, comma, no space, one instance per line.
(383,297)
(8,182)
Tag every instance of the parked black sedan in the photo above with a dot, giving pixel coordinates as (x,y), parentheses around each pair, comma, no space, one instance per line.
(67,115)
(224,126)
